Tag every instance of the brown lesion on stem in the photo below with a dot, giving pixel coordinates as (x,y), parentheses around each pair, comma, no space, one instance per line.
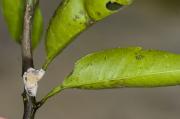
(27,57)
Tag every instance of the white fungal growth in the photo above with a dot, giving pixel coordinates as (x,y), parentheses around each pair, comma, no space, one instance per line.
(31,78)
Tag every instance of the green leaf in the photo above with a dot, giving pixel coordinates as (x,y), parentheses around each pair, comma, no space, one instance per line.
(13,12)
(125,67)
(74,16)
(37,28)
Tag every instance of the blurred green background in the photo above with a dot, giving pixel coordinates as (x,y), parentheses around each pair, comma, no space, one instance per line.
(147,23)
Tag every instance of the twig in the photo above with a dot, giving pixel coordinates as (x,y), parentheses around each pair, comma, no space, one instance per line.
(27,57)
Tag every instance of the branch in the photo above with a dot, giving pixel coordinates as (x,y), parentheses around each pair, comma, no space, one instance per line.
(27,57)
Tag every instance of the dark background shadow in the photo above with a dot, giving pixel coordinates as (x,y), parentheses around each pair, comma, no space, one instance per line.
(147,23)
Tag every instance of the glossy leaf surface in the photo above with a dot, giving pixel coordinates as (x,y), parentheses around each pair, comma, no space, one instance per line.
(37,27)
(74,16)
(125,67)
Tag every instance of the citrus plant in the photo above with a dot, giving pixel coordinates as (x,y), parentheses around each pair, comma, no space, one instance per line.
(112,68)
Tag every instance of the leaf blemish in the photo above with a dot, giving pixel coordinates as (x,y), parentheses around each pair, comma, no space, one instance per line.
(139,57)
(76,17)
(98,13)
(105,57)
(89,22)
(113,6)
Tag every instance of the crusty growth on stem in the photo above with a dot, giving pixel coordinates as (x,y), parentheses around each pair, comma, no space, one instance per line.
(27,57)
